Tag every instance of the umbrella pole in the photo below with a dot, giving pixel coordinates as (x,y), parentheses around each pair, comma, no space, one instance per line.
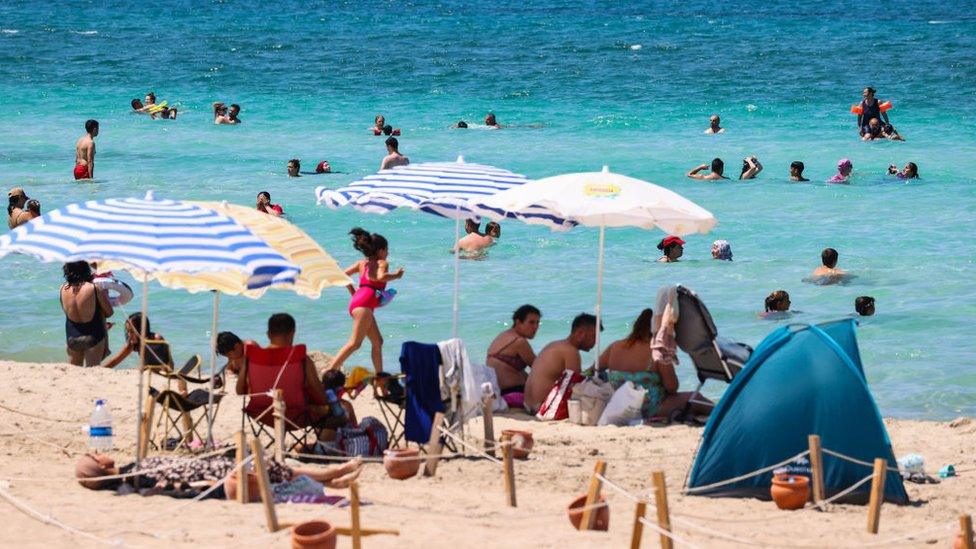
(142,364)
(457,275)
(599,292)
(213,367)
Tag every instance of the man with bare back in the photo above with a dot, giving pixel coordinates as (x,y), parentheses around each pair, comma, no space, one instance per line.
(85,152)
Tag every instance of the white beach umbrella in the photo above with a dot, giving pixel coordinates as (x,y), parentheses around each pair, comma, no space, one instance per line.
(602,199)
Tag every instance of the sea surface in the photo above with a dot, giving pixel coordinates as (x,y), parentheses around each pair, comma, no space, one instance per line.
(579,85)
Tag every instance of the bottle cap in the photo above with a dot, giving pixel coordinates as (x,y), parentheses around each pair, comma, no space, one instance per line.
(99,402)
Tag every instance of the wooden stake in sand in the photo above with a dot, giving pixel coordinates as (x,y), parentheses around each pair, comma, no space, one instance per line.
(278,407)
(354,511)
(816,468)
(966,529)
(877,494)
(508,470)
(638,531)
(486,412)
(663,513)
(434,445)
(593,496)
(242,495)
(264,485)
(145,429)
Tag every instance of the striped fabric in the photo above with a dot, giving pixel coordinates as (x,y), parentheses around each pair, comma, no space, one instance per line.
(447,189)
(149,236)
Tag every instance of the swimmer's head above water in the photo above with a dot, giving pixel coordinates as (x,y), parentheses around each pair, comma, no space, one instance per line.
(778,301)
(672,248)
(472,225)
(493,230)
(718,167)
(829,257)
(294,165)
(864,305)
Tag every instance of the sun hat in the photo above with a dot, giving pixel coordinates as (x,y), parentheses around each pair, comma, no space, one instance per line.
(844,162)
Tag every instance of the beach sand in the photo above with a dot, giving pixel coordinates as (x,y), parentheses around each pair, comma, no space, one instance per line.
(464,503)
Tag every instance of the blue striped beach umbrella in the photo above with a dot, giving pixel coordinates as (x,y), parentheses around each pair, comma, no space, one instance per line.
(149,237)
(447,189)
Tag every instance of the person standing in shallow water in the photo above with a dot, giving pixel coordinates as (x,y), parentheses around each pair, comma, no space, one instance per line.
(796,171)
(718,169)
(393,157)
(85,152)
(373,275)
(714,125)
(672,247)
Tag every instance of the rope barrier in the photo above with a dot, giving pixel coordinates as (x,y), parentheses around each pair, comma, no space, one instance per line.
(755,473)
(48,519)
(857,461)
(372,459)
(674,537)
(16,411)
(474,448)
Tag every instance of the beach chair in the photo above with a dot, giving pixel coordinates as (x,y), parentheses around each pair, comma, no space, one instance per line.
(279,369)
(714,357)
(391,396)
(183,413)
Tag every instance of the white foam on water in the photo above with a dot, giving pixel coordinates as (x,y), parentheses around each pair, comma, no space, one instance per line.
(636,47)
(85,33)
(9,31)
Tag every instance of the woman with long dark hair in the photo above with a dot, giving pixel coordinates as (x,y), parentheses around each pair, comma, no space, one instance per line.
(86,307)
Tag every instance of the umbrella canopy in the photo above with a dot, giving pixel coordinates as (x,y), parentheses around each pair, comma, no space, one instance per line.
(318,269)
(148,236)
(603,199)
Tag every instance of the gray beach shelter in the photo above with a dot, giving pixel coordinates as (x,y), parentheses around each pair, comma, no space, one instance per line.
(801,380)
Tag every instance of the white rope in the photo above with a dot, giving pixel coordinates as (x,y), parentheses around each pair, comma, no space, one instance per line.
(619,490)
(16,411)
(755,473)
(48,519)
(469,446)
(663,532)
(857,461)
(371,459)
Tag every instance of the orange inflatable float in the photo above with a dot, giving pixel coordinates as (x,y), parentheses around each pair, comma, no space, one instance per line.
(885,107)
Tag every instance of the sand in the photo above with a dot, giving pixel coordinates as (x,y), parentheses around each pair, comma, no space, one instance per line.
(465,502)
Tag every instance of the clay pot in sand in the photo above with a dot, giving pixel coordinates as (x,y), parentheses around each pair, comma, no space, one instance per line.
(400,468)
(314,534)
(790,491)
(521,442)
(575,512)
(253,492)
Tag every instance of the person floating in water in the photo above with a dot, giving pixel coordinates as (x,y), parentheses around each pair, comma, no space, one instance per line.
(714,125)
(910,171)
(721,249)
(672,248)
(796,171)
(294,166)
(864,305)
(491,122)
(750,167)
(233,113)
(374,273)
(264,205)
(844,169)
(85,152)
(461,124)
(870,108)
(777,305)
(828,273)
(717,168)
(393,157)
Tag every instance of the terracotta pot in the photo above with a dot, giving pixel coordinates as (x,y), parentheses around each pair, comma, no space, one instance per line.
(575,513)
(401,469)
(521,442)
(314,534)
(253,492)
(790,491)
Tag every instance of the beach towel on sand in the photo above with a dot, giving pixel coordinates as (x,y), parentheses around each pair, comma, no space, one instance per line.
(556,404)
(421,363)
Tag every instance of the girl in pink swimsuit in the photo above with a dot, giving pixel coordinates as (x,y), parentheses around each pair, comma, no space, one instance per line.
(373,276)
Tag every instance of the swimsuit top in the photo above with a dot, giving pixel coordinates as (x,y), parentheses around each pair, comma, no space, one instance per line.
(366,282)
(94,327)
(515,361)
(870,111)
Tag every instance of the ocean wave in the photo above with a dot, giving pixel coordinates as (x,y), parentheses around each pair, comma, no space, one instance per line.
(9,31)
(85,33)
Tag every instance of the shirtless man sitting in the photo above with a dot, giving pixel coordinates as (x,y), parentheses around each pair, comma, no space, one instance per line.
(510,353)
(85,152)
(717,166)
(828,273)
(393,158)
(558,357)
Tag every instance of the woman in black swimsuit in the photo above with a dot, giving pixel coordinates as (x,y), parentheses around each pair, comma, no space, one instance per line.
(85,309)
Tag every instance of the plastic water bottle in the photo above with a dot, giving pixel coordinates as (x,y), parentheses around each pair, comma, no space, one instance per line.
(100,428)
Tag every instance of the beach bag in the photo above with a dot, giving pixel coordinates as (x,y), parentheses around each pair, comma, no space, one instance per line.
(593,394)
(369,439)
(556,404)
(624,406)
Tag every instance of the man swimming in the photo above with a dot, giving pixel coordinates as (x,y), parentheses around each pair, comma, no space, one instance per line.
(558,357)
(294,165)
(235,110)
(714,125)
(796,171)
(717,167)
(85,152)
(476,242)
(828,273)
(393,157)
(491,122)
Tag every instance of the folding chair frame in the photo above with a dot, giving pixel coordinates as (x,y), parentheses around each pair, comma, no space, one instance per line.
(393,412)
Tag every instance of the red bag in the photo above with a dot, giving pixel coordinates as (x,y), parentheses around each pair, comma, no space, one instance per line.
(556,404)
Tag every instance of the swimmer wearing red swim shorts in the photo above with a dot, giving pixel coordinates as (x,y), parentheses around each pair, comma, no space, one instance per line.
(85,152)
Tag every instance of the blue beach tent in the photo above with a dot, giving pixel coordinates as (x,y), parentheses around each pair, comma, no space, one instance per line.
(801,380)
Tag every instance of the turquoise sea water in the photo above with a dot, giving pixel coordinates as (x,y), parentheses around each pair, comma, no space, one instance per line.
(628,86)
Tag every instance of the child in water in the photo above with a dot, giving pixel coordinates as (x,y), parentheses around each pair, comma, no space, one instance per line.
(844,169)
(372,293)
(777,306)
